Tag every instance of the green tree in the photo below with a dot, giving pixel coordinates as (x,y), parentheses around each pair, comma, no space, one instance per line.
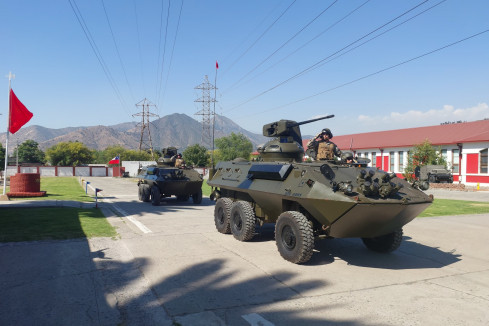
(233,146)
(2,158)
(196,155)
(422,154)
(103,157)
(70,154)
(29,152)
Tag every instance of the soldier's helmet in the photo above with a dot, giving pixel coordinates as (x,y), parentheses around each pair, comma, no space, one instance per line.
(346,156)
(327,132)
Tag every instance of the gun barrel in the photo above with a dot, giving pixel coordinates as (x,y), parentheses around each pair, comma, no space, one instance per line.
(312,120)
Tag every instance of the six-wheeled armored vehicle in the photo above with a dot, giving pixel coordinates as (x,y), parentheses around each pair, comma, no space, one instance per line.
(314,200)
(165,180)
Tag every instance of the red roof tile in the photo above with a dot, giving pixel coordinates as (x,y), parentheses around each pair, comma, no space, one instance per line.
(464,132)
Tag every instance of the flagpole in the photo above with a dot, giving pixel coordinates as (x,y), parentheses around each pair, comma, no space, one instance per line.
(10,76)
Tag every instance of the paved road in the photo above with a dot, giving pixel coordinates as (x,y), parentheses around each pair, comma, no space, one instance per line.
(170,266)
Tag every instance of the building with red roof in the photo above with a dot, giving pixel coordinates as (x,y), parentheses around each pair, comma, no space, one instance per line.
(464,146)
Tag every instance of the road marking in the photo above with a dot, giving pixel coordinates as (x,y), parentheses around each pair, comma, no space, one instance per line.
(138,224)
(256,320)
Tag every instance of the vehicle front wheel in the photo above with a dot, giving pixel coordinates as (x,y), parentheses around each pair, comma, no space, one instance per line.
(294,237)
(242,220)
(432,178)
(222,212)
(155,196)
(385,243)
(197,197)
(144,193)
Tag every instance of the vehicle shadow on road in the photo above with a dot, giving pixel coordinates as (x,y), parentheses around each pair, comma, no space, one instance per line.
(410,255)
(167,205)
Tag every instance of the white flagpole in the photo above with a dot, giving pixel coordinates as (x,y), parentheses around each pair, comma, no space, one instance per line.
(10,77)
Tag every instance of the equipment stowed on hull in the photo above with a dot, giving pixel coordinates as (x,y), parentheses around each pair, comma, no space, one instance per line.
(311,200)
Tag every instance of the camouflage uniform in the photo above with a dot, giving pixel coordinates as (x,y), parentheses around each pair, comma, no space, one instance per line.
(324,150)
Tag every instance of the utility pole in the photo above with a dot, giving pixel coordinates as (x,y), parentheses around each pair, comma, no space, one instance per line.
(145,142)
(206,101)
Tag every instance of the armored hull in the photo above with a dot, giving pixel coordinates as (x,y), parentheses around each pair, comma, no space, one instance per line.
(338,199)
(316,190)
(156,182)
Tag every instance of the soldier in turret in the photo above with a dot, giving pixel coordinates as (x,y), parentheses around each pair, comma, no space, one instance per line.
(323,147)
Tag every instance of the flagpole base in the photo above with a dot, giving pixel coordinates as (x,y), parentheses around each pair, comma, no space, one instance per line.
(4,198)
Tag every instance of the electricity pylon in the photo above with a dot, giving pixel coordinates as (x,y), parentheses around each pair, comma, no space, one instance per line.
(145,142)
(206,100)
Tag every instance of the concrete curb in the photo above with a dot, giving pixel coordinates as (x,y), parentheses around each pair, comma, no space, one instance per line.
(46,203)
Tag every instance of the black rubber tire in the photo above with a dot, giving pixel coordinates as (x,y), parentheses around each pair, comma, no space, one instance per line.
(222,212)
(155,196)
(144,192)
(385,243)
(242,220)
(197,197)
(432,178)
(294,237)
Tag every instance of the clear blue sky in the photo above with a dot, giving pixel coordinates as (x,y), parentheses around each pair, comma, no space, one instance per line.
(260,45)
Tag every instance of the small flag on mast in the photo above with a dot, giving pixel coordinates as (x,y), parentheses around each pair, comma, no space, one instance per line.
(217,65)
(19,115)
(115,160)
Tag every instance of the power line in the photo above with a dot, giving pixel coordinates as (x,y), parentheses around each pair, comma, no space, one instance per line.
(308,42)
(314,66)
(139,46)
(285,43)
(96,51)
(262,34)
(380,71)
(117,50)
(172,51)
(159,78)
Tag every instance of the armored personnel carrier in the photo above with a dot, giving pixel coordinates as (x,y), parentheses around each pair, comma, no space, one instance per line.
(165,180)
(314,200)
(434,174)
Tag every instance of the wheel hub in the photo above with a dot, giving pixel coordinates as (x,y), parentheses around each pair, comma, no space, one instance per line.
(288,237)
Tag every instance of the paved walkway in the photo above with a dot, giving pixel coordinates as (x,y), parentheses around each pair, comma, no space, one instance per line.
(179,270)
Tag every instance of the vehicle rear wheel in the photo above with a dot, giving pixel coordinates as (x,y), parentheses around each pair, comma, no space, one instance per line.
(385,243)
(197,197)
(222,212)
(242,220)
(294,237)
(155,196)
(144,192)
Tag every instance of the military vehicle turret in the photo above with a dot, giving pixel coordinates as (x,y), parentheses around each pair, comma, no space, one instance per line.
(165,179)
(306,201)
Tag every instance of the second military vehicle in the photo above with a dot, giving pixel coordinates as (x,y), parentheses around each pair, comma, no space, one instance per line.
(311,200)
(435,174)
(165,180)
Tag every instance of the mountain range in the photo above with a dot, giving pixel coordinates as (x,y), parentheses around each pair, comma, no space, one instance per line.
(176,129)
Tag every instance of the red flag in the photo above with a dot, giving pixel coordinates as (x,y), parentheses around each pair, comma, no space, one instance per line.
(19,115)
(217,65)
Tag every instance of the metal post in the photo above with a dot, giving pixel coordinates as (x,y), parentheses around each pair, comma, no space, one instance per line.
(86,187)
(10,77)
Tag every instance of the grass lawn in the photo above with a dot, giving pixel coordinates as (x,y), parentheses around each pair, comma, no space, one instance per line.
(28,224)
(443,207)
(206,189)
(61,188)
